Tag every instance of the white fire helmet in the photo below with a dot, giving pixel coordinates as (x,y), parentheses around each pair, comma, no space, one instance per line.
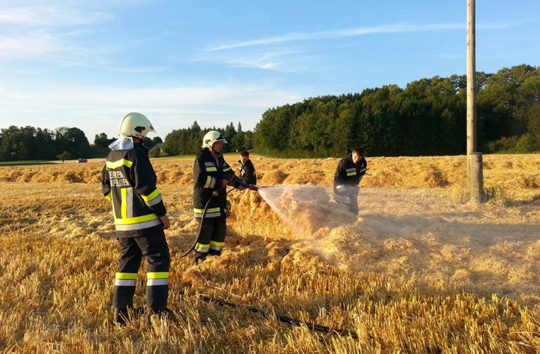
(135,125)
(211,137)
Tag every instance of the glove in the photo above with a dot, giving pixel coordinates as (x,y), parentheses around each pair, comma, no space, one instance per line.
(228,209)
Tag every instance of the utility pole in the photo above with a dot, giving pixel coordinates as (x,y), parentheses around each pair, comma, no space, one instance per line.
(474,159)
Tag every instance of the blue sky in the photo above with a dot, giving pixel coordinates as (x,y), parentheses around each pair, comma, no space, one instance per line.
(87,63)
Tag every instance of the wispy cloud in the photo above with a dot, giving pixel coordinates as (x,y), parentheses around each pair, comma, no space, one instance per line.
(46,33)
(54,34)
(32,45)
(298,36)
(202,95)
(281,60)
(96,109)
(50,16)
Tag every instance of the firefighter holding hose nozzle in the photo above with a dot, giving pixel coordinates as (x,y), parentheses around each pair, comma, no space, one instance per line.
(348,175)
(212,175)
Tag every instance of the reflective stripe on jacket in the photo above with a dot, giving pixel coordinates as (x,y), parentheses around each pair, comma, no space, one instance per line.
(129,181)
(208,173)
(348,174)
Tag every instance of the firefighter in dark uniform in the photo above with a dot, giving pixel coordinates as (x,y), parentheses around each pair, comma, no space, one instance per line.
(348,175)
(129,182)
(247,170)
(211,176)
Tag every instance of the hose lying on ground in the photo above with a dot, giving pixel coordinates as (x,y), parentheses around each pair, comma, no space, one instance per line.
(284,319)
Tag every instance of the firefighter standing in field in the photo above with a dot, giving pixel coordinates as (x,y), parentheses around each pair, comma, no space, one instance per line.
(247,170)
(211,176)
(348,175)
(129,181)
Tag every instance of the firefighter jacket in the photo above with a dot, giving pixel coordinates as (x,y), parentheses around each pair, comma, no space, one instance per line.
(208,172)
(347,177)
(247,171)
(129,181)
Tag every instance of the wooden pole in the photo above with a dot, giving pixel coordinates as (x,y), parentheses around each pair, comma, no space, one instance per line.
(474,159)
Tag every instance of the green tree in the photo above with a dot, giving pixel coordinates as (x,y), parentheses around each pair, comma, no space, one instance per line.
(64,156)
(18,143)
(73,140)
(102,140)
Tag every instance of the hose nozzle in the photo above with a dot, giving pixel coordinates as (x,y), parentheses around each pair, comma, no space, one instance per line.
(240,183)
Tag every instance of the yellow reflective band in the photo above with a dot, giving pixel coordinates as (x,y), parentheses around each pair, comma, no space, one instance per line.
(126,275)
(226,169)
(209,210)
(123,204)
(208,181)
(109,196)
(211,169)
(119,163)
(363,170)
(351,174)
(151,196)
(135,220)
(157,275)
(201,246)
(215,243)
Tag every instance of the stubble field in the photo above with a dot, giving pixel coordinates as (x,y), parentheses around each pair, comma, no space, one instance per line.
(419,271)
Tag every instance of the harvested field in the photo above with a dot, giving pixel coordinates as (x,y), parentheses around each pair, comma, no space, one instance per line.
(419,270)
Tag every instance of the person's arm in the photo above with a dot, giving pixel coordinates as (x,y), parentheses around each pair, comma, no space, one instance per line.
(106,183)
(228,173)
(362,170)
(144,183)
(341,173)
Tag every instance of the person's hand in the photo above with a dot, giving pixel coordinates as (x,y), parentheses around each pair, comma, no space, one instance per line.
(224,183)
(166,222)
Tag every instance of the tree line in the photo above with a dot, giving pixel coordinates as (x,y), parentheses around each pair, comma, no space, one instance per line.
(189,140)
(29,143)
(427,117)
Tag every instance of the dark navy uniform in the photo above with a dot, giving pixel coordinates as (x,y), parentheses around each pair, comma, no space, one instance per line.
(346,180)
(129,182)
(208,173)
(248,174)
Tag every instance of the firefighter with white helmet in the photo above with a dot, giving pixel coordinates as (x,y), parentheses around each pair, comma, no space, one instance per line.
(129,182)
(135,125)
(211,137)
(211,176)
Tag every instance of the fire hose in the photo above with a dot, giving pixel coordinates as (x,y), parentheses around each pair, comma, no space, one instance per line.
(284,319)
(239,183)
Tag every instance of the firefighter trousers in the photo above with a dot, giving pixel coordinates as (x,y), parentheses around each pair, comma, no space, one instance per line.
(211,238)
(156,251)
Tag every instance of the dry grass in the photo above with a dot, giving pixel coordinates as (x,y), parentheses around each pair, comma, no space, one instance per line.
(419,271)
